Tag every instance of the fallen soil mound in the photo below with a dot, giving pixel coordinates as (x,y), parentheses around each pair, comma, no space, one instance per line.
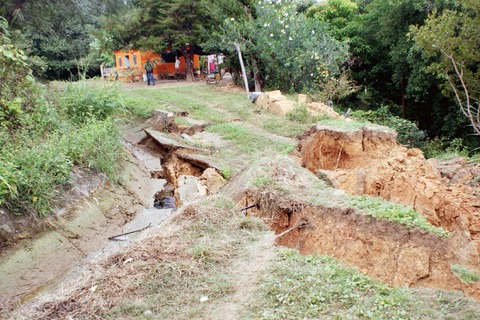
(312,218)
(370,161)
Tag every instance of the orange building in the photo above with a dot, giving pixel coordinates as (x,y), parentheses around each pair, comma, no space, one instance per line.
(129,64)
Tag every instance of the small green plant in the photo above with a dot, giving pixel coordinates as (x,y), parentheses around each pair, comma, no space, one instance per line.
(262,181)
(323,177)
(465,274)
(203,254)
(442,148)
(252,224)
(227,172)
(299,114)
(319,287)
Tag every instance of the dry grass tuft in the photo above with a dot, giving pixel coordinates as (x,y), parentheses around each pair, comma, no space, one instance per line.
(165,275)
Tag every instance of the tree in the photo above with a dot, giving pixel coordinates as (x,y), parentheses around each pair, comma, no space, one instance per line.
(452,37)
(174,24)
(54,33)
(290,51)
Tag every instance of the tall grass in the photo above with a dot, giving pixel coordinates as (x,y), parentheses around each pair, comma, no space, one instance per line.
(73,128)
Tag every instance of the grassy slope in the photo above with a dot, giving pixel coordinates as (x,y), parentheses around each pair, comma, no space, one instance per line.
(297,287)
(207,252)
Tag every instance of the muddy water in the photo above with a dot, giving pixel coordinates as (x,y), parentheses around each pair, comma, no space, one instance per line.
(82,232)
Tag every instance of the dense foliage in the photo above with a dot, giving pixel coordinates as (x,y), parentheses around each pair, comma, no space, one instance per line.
(56,33)
(452,37)
(43,139)
(285,48)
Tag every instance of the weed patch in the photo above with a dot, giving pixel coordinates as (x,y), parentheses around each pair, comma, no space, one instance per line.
(380,208)
(465,274)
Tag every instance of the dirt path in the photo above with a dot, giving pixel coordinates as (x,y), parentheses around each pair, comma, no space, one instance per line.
(247,272)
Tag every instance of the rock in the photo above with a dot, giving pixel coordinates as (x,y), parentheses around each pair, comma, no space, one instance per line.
(275,95)
(165,141)
(212,180)
(282,107)
(317,108)
(161,120)
(455,170)
(302,99)
(275,102)
(462,251)
(413,264)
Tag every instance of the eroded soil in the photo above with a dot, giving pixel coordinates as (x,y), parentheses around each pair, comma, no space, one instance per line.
(370,161)
(167,160)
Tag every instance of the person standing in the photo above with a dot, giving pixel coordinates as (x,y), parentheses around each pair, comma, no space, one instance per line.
(149,69)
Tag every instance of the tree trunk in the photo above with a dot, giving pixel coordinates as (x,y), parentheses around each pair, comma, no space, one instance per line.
(102,72)
(188,55)
(404,108)
(11,15)
(256,74)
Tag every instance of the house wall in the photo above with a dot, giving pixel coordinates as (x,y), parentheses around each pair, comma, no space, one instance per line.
(129,64)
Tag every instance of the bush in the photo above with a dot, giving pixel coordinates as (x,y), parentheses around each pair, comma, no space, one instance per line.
(32,175)
(408,132)
(83,102)
(40,170)
(96,145)
(441,148)
(15,80)
(299,114)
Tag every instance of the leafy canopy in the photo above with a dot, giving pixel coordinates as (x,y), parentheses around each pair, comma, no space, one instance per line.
(452,37)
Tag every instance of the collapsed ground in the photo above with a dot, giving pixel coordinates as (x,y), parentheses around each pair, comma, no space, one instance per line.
(214,254)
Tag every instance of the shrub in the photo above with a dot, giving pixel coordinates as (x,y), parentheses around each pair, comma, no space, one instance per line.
(96,145)
(299,114)
(82,101)
(441,148)
(465,274)
(15,80)
(408,132)
(41,170)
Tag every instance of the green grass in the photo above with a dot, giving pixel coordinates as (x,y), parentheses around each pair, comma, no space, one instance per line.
(284,128)
(249,141)
(380,208)
(340,124)
(465,274)
(319,287)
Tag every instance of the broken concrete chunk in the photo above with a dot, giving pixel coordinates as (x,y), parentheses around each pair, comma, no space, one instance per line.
(189,189)
(161,120)
(165,141)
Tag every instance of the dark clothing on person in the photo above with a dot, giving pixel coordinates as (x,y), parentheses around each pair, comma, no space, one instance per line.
(149,69)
